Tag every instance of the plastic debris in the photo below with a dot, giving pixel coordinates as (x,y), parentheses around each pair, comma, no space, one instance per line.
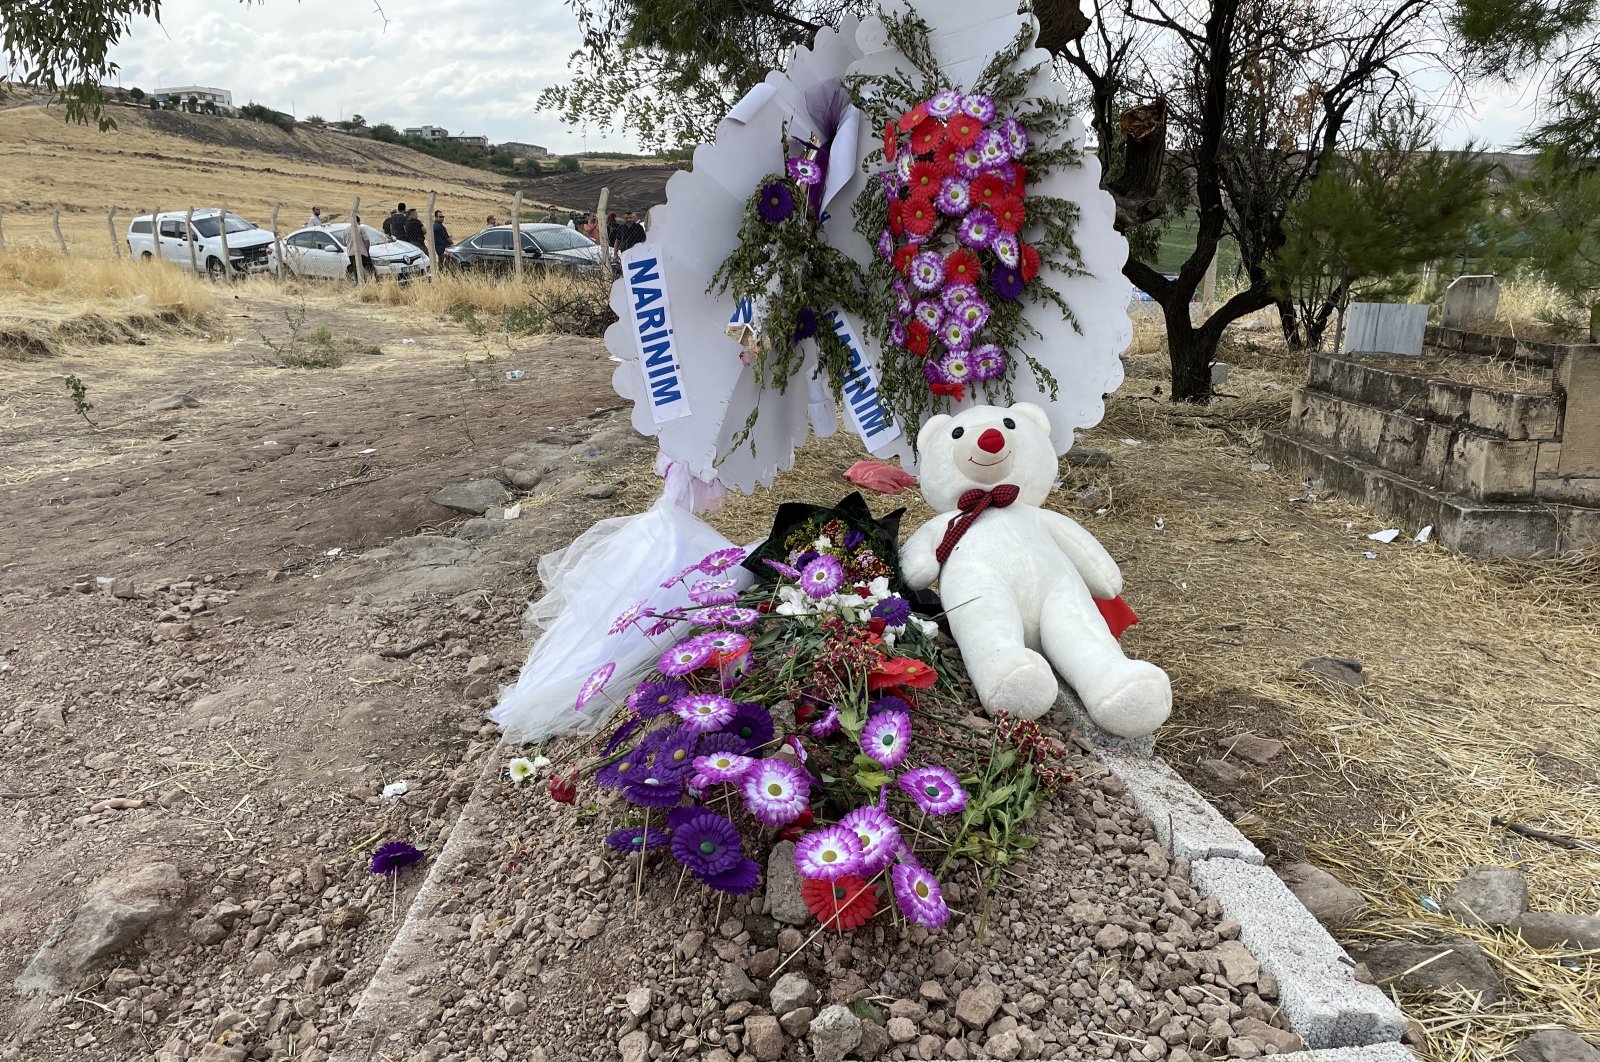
(1130,442)
(513,511)
(1161,525)
(514,374)
(1425,534)
(1430,904)
(1260,466)
(1370,555)
(370,450)
(395,790)
(334,552)
(1388,534)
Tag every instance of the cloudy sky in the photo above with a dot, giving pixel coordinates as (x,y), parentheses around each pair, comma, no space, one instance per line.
(472,66)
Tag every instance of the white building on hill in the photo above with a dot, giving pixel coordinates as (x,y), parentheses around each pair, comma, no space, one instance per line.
(182,94)
(427,132)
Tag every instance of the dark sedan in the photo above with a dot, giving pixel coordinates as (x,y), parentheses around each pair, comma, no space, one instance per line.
(544,247)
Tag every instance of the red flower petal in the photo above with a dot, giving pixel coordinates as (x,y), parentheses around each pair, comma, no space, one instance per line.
(961,267)
(951,390)
(563,790)
(928,135)
(1009,213)
(925,179)
(843,904)
(1018,185)
(902,261)
(963,131)
(888,141)
(1030,261)
(913,118)
(988,190)
(917,338)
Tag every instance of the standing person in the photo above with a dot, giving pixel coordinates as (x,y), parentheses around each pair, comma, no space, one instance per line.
(315,221)
(490,221)
(591,228)
(551,217)
(412,232)
(632,231)
(441,235)
(356,238)
(394,222)
(613,231)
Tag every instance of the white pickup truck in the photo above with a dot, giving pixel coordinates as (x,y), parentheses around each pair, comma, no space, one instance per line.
(168,235)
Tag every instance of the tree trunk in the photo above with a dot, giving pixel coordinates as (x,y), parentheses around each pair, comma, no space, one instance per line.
(1137,189)
(1289,322)
(1060,23)
(1190,351)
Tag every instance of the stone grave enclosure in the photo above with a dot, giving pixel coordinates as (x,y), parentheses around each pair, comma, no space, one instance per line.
(1493,441)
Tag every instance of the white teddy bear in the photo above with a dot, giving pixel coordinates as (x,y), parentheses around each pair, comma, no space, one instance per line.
(1017,580)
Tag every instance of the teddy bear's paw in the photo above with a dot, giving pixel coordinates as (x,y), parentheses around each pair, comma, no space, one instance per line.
(1025,685)
(1137,705)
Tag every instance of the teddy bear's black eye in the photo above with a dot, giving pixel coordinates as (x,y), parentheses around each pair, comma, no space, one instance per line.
(1008,422)
(958,433)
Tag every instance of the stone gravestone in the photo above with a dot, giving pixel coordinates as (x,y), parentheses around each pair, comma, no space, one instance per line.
(1385,328)
(1468,300)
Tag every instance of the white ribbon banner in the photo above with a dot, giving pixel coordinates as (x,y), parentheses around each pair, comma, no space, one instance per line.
(861,399)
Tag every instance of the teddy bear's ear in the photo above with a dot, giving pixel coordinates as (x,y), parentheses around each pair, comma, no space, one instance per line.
(930,429)
(1040,418)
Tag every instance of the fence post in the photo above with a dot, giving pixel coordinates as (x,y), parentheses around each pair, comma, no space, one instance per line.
(111,224)
(155,233)
(600,229)
(427,236)
(516,234)
(55,220)
(353,239)
(188,235)
(277,244)
(222,231)
(2,230)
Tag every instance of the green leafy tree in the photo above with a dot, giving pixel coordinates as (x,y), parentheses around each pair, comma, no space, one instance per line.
(1560,39)
(356,122)
(387,133)
(1553,218)
(568,164)
(136,94)
(316,121)
(1370,220)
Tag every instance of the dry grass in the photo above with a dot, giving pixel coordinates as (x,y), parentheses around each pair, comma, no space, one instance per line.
(1532,309)
(1482,685)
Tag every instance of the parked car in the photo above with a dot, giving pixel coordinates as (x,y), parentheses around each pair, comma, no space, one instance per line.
(544,247)
(168,236)
(324,252)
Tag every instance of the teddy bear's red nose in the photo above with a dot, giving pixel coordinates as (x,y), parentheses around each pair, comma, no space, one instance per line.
(991,442)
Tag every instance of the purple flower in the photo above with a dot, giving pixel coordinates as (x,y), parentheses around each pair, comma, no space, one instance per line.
(885,245)
(739,880)
(879,837)
(853,540)
(828,853)
(933,371)
(927,269)
(944,103)
(776,791)
(630,615)
(992,151)
(727,644)
(935,789)
(625,768)
(776,203)
(974,313)
(636,839)
(979,107)
(805,324)
(978,229)
(683,658)
(704,712)
(828,724)
(393,857)
(594,684)
(917,893)
(674,756)
(782,569)
(1016,137)
(894,610)
(893,184)
(969,162)
(930,313)
(955,197)
(988,362)
(897,333)
(714,592)
(955,336)
(887,737)
(902,167)
(723,766)
(707,843)
(659,627)
(733,616)
(621,734)
(654,792)
(957,365)
(720,561)
(821,577)
(1008,282)
(956,294)
(806,172)
(902,298)
(889,702)
(653,698)
(1007,248)
(751,725)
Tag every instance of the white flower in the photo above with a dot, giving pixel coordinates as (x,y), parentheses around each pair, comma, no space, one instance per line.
(521,769)
(927,627)
(541,762)
(878,588)
(823,544)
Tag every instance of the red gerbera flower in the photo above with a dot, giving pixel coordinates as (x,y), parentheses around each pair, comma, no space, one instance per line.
(927,135)
(963,131)
(897,217)
(842,904)
(917,338)
(888,141)
(920,216)
(903,257)
(955,391)
(1021,181)
(962,267)
(877,625)
(1030,261)
(1009,213)
(945,159)
(925,178)
(988,190)
(913,118)
(904,670)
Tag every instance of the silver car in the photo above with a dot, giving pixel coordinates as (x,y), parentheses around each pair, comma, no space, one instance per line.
(323,251)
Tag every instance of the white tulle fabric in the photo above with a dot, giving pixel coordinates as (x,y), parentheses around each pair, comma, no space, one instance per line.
(614,564)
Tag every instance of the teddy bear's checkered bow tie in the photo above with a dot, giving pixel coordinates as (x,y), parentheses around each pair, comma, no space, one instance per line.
(972,504)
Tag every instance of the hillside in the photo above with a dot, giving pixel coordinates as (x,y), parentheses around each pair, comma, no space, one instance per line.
(175,160)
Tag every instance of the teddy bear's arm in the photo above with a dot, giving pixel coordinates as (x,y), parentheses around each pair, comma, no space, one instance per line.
(918,564)
(1100,573)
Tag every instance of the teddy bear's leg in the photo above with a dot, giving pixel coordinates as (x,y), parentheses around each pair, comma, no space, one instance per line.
(987,625)
(1129,698)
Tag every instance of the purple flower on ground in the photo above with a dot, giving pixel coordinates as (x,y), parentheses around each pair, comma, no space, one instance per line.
(707,843)
(659,627)
(733,616)
(978,229)
(902,298)
(894,610)
(683,658)
(806,172)
(927,270)
(930,313)
(739,880)
(678,817)
(992,150)
(821,577)
(889,702)
(727,644)
(892,183)
(787,571)
(674,757)
(393,857)
(714,592)
(723,766)
(957,365)
(828,853)
(594,684)
(935,789)
(988,362)
(979,107)
(776,791)
(917,892)
(720,561)
(1007,248)
(853,540)
(636,839)
(974,313)
(776,203)
(887,737)
(828,724)
(805,324)
(879,837)
(969,162)
(751,725)
(652,698)
(629,616)
(944,103)
(955,197)
(704,712)
(955,335)
(1016,137)
(680,577)
(1008,282)
(956,294)
(654,792)
(621,734)
(624,769)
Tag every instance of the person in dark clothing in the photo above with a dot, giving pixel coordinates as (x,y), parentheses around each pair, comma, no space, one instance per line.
(411,231)
(441,235)
(613,231)
(632,232)
(392,224)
